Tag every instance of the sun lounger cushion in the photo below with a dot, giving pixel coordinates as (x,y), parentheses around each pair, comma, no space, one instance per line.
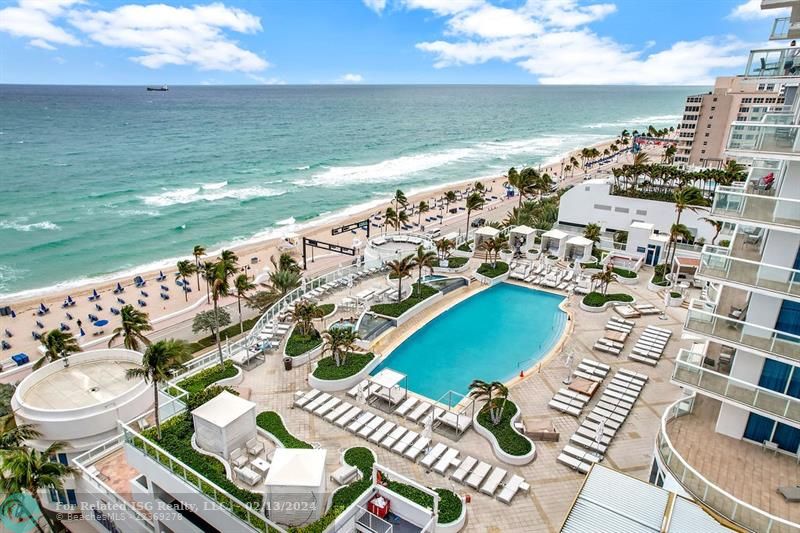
(433,454)
(489,487)
(464,468)
(476,477)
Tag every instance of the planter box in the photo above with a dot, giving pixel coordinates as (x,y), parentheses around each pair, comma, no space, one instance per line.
(334,385)
(603,307)
(458,253)
(302,358)
(517,460)
(627,281)
(457,524)
(506,257)
(657,288)
(485,280)
(533,255)
(675,302)
(448,270)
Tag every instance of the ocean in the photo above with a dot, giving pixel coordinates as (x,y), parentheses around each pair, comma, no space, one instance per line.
(98,180)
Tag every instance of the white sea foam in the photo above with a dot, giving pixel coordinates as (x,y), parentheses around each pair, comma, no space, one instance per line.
(190,195)
(20,225)
(664,120)
(214,186)
(285,221)
(304,167)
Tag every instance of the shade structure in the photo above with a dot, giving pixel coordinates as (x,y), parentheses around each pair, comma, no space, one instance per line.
(388,378)
(579,248)
(295,485)
(224,423)
(483,234)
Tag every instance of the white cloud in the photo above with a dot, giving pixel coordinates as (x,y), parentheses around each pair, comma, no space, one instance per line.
(266,81)
(751,10)
(551,39)
(160,34)
(443,7)
(350,78)
(376,5)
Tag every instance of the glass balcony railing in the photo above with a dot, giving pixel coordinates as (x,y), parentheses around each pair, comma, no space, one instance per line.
(702,320)
(732,202)
(780,29)
(716,264)
(722,502)
(774,135)
(773,62)
(689,371)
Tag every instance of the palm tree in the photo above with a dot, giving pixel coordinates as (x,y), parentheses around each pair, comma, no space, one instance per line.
(285,261)
(717,225)
(543,184)
(14,436)
(207,271)
(134,324)
(243,286)
(474,202)
(283,281)
(28,470)
(55,345)
(304,313)
(443,247)
(690,198)
(186,269)
(733,171)
(339,342)
(230,260)
(423,259)
(604,278)
(573,164)
(677,231)
(401,268)
(449,197)
(396,219)
(493,394)
(592,232)
(198,252)
(524,181)
(400,199)
(567,168)
(220,287)
(490,247)
(159,362)
(479,188)
(423,207)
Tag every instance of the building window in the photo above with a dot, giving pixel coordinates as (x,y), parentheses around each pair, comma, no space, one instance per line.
(642,212)
(621,209)
(602,207)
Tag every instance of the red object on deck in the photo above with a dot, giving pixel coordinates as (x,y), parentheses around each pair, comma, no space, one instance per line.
(379,506)
(468,498)
(521,374)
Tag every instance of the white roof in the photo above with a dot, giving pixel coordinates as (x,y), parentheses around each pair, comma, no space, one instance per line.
(387,378)
(659,237)
(297,467)
(613,501)
(525,230)
(579,241)
(487,230)
(223,409)
(642,225)
(556,234)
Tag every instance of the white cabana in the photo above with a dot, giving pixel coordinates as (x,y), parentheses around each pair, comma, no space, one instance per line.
(578,248)
(553,242)
(484,234)
(521,238)
(224,423)
(295,486)
(392,386)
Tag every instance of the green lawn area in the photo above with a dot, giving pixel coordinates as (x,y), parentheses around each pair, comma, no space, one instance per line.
(487,270)
(298,344)
(453,262)
(466,247)
(596,299)
(509,440)
(624,273)
(206,377)
(397,309)
(271,422)
(327,369)
(229,332)
(327,309)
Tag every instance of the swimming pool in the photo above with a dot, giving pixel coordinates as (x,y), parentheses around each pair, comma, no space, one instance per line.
(490,336)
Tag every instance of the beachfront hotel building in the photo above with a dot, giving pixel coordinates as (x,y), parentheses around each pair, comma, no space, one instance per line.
(733,442)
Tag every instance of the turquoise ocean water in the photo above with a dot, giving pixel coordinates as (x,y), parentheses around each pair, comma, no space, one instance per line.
(98,180)
(492,336)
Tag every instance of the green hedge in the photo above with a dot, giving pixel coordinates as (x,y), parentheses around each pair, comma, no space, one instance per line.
(229,332)
(591,264)
(452,262)
(509,440)
(624,273)
(327,309)
(298,344)
(206,377)
(596,299)
(674,294)
(327,369)
(487,270)
(397,309)
(465,247)
(449,503)
(271,422)
(659,271)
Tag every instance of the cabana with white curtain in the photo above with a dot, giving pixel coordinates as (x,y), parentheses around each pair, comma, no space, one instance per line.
(295,486)
(484,234)
(554,242)
(578,248)
(224,423)
(521,238)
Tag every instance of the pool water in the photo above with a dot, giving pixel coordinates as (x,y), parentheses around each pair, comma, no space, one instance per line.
(492,336)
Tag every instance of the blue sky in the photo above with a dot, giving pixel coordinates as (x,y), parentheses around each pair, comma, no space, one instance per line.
(122,42)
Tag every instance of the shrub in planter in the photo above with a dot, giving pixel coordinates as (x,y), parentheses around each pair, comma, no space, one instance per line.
(552,257)
(397,309)
(673,294)
(486,269)
(452,262)
(725,243)
(327,369)
(466,247)
(509,440)
(596,299)
(327,309)
(659,271)
(533,251)
(271,422)
(206,377)
(624,273)
(298,344)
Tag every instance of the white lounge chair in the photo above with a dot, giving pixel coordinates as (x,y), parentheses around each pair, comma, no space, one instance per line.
(446,461)
(406,406)
(464,468)
(514,485)
(238,458)
(345,419)
(254,446)
(359,422)
(493,481)
(407,440)
(393,437)
(478,474)
(316,402)
(338,411)
(417,448)
(306,397)
(433,454)
(327,406)
(370,427)
(380,433)
(354,391)
(247,475)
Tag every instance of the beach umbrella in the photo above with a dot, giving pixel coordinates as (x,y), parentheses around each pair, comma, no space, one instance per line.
(100,323)
(600,431)
(361,395)
(119,287)
(94,293)
(428,431)
(82,333)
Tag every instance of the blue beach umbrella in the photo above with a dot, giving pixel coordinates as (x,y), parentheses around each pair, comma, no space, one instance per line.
(83,333)
(101,323)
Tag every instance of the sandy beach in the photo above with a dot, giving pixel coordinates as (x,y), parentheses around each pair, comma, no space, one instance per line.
(253,259)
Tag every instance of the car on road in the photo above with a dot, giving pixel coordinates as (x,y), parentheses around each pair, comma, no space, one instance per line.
(478,222)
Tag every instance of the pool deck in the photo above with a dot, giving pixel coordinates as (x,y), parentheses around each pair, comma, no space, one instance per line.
(553,486)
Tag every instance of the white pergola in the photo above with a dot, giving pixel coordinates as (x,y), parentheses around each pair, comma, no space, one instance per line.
(392,386)
(553,242)
(484,234)
(295,485)
(521,238)
(224,423)
(578,248)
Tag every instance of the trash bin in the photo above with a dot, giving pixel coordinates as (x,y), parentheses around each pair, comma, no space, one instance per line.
(287,363)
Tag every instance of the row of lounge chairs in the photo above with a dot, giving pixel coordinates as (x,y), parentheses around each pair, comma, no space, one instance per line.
(616,333)
(636,310)
(414,446)
(650,346)
(589,443)
(572,402)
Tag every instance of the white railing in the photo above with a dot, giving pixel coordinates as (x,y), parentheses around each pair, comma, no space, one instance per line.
(695,483)
(716,263)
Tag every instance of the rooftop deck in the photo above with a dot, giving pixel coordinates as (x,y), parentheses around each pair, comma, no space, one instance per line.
(742,469)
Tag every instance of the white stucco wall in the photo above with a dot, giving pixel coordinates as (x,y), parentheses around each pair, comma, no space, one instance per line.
(732,421)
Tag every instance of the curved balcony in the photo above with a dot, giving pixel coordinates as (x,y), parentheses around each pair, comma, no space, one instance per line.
(702,320)
(733,204)
(715,495)
(717,265)
(689,371)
